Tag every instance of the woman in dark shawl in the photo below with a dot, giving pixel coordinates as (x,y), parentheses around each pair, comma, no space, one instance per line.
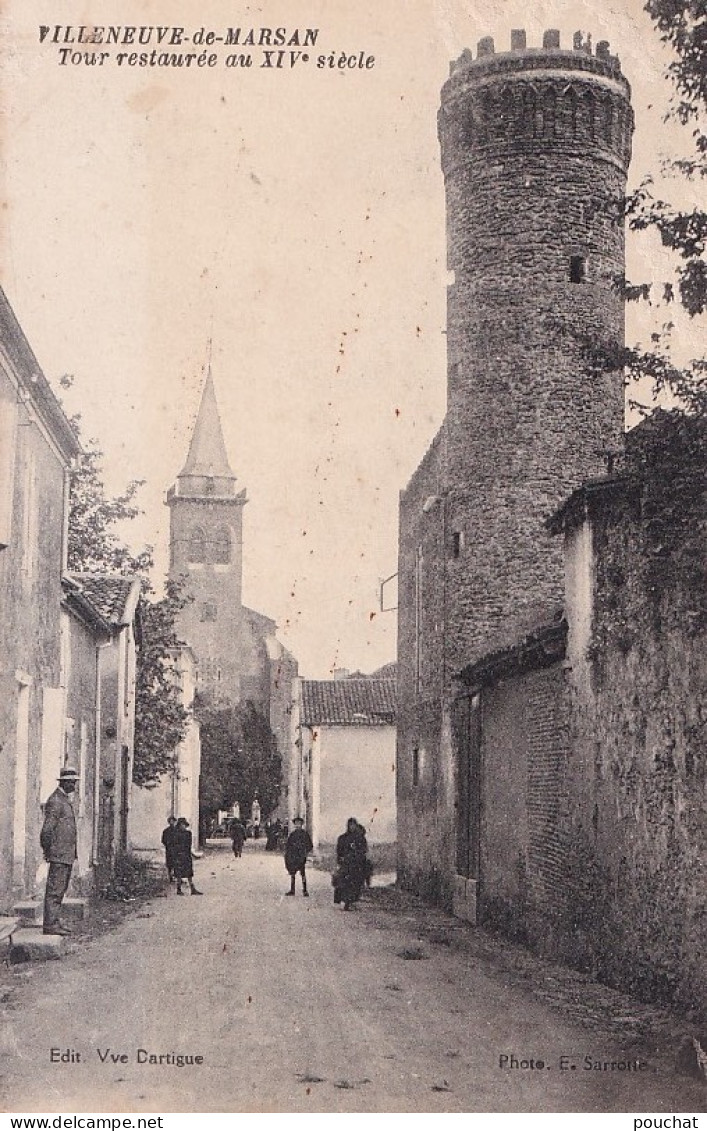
(183,865)
(351,850)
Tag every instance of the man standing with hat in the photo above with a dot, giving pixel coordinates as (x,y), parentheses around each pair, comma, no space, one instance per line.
(58,841)
(297,849)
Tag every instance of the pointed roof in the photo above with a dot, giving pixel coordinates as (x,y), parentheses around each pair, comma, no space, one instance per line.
(207,451)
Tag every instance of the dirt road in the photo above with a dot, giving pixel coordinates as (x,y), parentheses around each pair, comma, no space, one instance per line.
(295,1005)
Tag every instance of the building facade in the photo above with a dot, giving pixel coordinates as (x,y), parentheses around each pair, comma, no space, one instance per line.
(535,147)
(585,741)
(116,600)
(631,896)
(345,744)
(551,754)
(37,446)
(86,635)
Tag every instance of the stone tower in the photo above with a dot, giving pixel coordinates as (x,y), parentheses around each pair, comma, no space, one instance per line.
(206,549)
(535,148)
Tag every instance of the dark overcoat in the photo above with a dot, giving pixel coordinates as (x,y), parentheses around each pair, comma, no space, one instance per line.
(351,851)
(168,842)
(297,849)
(182,863)
(58,834)
(237,834)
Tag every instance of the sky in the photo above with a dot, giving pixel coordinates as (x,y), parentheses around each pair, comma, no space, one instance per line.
(292,217)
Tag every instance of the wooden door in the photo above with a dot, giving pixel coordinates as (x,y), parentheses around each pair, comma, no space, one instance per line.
(466,724)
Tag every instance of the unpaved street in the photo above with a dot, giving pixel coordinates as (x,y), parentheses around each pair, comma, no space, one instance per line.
(295,1005)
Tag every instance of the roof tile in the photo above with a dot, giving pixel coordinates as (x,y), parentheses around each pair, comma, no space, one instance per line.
(348,702)
(107,592)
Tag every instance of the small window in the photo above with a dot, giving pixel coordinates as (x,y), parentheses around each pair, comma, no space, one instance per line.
(196,550)
(457,543)
(222,546)
(578,269)
(209,610)
(416,766)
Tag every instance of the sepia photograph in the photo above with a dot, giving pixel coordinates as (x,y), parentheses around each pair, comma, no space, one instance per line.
(353,387)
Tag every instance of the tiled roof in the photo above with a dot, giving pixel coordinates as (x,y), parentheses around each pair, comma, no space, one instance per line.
(76,599)
(108,592)
(541,648)
(348,702)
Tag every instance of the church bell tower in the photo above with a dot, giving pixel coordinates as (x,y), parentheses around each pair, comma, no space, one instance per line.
(206,553)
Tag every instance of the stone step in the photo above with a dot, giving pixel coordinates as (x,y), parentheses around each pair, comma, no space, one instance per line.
(30,945)
(7,926)
(29,912)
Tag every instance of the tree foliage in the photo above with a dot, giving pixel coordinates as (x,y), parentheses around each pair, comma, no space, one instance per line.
(682,25)
(95,546)
(161,717)
(239,759)
(94,543)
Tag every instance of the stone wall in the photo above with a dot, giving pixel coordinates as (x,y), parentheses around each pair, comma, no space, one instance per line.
(535,147)
(282,698)
(30,595)
(525,729)
(425,788)
(639,833)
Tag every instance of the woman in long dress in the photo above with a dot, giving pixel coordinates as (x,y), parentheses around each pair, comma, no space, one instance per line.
(183,864)
(351,851)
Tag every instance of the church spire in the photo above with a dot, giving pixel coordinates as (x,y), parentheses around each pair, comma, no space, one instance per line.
(207,455)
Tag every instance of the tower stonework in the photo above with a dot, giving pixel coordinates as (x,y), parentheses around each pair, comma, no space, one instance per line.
(206,552)
(535,145)
(535,148)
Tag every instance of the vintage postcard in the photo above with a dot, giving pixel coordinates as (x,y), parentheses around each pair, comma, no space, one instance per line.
(296,421)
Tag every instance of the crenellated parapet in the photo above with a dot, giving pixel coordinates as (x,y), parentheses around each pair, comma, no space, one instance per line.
(529,99)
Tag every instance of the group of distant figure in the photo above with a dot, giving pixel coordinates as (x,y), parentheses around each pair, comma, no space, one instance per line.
(353,872)
(177,842)
(354,869)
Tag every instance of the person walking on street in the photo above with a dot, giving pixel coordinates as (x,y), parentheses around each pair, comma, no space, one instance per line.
(58,841)
(168,844)
(183,863)
(351,853)
(237,834)
(299,845)
(273,829)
